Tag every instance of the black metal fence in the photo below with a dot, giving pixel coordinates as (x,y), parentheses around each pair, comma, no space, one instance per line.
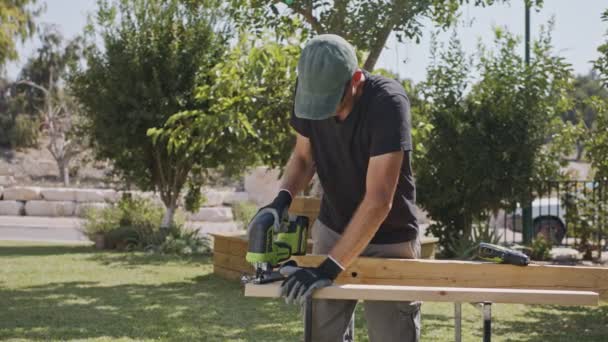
(567,213)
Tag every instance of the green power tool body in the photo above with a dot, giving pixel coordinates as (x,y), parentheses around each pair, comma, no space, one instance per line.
(495,253)
(270,244)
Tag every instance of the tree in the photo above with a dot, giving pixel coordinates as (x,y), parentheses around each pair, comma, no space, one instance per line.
(16,22)
(490,140)
(601,64)
(366,24)
(42,93)
(597,142)
(155,53)
(256,83)
(583,112)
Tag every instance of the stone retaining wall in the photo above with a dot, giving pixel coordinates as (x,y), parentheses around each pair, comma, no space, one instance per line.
(67,202)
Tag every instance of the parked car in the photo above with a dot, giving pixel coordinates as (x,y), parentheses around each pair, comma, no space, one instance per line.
(548,219)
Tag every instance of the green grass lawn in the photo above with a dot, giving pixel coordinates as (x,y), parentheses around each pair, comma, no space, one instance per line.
(59,292)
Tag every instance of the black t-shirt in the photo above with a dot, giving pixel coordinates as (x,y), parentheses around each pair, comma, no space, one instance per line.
(379,123)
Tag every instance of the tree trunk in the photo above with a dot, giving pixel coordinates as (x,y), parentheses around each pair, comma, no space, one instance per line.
(377,48)
(169,215)
(64,172)
(579,150)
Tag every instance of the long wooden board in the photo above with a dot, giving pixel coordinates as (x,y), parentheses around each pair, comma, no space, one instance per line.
(437,294)
(444,273)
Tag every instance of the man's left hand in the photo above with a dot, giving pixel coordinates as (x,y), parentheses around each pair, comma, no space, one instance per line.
(301,284)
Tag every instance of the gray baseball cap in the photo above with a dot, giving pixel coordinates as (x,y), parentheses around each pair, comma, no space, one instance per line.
(327,62)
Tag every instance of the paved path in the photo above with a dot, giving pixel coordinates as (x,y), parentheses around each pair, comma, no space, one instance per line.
(64,229)
(26,228)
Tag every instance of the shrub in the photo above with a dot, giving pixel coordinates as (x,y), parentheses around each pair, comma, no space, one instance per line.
(540,249)
(25,132)
(134,224)
(184,241)
(466,248)
(244,212)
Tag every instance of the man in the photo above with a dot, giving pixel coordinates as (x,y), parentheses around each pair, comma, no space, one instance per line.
(353,129)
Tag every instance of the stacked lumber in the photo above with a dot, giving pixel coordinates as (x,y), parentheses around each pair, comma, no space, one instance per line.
(468,274)
(437,294)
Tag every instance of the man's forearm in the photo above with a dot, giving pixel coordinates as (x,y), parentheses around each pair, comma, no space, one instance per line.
(298,173)
(362,227)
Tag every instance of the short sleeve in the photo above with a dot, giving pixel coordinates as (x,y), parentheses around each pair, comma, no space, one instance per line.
(301,126)
(390,126)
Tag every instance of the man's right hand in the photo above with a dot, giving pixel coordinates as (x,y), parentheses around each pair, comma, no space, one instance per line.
(279,208)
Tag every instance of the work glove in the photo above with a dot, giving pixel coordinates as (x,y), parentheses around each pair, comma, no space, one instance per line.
(303,281)
(279,208)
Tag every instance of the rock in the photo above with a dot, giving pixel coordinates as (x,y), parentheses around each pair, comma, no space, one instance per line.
(82,208)
(95,195)
(152,196)
(22,193)
(212,214)
(11,208)
(113,196)
(565,254)
(235,197)
(213,197)
(58,194)
(205,228)
(49,208)
(262,184)
(7,180)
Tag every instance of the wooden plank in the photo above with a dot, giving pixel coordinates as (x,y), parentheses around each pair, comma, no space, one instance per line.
(226,273)
(443,273)
(232,262)
(303,204)
(221,244)
(437,294)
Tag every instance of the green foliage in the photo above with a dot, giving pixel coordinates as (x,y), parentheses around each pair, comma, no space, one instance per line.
(540,249)
(25,132)
(183,241)
(131,223)
(583,114)
(154,55)
(366,24)
(585,214)
(134,224)
(253,87)
(596,142)
(601,64)
(16,23)
(465,247)
(244,212)
(194,198)
(488,142)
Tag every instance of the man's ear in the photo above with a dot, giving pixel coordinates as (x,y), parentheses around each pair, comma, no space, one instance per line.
(357,77)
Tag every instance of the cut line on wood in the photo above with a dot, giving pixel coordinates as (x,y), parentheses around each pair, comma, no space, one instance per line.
(437,294)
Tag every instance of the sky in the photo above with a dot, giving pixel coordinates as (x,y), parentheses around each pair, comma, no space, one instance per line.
(577,33)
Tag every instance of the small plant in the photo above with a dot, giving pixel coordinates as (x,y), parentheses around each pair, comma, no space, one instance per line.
(465,248)
(182,241)
(130,224)
(244,212)
(25,132)
(134,224)
(540,249)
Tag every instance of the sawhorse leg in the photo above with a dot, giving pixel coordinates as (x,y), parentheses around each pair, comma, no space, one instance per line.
(486,308)
(457,322)
(308,320)
(349,334)
(487,321)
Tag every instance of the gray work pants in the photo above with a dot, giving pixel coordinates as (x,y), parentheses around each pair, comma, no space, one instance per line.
(386,321)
